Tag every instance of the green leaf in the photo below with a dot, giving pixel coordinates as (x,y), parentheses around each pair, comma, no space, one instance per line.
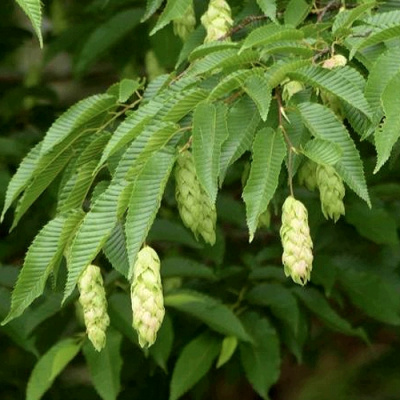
(211,47)
(130,128)
(288,46)
(279,70)
(374,294)
(43,255)
(296,12)
(161,349)
(217,316)
(335,83)
(186,102)
(261,360)
(115,250)
(107,35)
(173,10)
(223,59)
(186,268)
(376,224)
(151,7)
(270,33)
(41,180)
(126,88)
(76,117)
(377,36)
(33,9)
(22,177)
(209,132)
(269,150)
(105,366)
(268,7)
(317,303)
(232,81)
(387,135)
(145,201)
(280,300)
(323,151)
(243,120)
(258,89)
(345,19)
(94,230)
(324,124)
(229,345)
(199,354)
(384,69)
(49,366)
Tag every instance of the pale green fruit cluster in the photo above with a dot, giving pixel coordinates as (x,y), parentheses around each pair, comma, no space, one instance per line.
(335,61)
(331,191)
(94,304)
(147,296)
(306,175)
(184,25)
(217,20)
(195,207)
(297,245)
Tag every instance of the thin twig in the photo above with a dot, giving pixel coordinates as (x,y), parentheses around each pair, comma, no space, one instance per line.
(246,21)
(322,12)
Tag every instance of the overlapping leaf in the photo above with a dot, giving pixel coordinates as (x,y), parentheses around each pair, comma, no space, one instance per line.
(33,9)
(209,132)
(269,151)
(145,201)
(323,124)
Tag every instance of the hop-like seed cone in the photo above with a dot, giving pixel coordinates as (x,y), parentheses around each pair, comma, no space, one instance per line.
(297,245)
(331,190)
(307,175)
(335,61)
(147,297)
(94,304)
(195,207)
(184,26)
(217,20)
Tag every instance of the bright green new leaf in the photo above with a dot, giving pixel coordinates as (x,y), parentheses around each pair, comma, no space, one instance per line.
(269,150)
(209,132)
(229,345)
(217,316)
(126,89)
(50,366)
(145,201)
(105,366)
(193,363)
